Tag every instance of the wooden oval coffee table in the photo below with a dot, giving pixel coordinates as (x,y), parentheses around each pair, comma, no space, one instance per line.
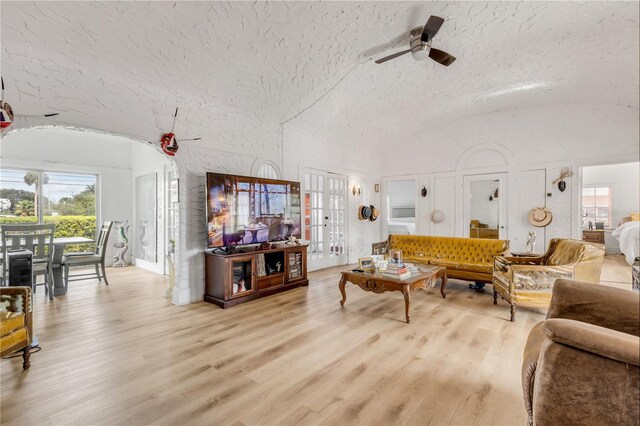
(381,283)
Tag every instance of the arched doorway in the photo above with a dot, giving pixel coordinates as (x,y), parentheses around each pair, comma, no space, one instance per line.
(87,177)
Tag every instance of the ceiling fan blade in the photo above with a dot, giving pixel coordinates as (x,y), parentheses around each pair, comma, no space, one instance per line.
(431,28)
(174,120)
(53,114)
(187,140)
(441,57)
(391,44)
(395,55)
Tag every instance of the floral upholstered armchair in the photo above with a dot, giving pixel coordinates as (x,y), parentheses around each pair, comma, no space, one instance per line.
(380,248)
(16,324)
(529,280)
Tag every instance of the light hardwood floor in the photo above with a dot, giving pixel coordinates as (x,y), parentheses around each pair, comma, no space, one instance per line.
(123,354)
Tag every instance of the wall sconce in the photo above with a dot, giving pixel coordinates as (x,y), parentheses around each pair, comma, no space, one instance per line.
(423,191)
(494,196)
(355,190)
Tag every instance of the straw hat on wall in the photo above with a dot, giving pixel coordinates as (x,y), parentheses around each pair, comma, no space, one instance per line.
(364,212)
(374,213)
(540,216)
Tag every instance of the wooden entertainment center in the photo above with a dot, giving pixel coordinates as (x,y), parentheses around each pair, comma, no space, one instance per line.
(239,277)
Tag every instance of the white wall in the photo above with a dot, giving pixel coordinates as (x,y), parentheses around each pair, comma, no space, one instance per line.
(529,144)
(66,150)
(624,180)
(532,135)
(145,160)
(362,233)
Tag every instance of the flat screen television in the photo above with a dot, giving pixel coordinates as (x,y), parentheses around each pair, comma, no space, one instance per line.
(249,210)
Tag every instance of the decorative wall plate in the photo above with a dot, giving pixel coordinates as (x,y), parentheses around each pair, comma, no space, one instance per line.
(437,216)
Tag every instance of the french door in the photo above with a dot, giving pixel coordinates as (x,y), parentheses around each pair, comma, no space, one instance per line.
(325,198)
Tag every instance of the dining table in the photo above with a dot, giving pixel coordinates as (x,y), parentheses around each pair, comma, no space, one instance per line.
(59,245)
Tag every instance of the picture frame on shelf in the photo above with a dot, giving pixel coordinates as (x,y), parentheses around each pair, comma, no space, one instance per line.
(395,256)
(382,265)
(366,264)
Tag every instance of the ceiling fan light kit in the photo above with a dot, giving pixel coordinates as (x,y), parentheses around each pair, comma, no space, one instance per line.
(419,49)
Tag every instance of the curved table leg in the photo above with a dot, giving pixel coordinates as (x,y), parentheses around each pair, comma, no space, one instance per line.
(407,301)
(343,282)
(443,285)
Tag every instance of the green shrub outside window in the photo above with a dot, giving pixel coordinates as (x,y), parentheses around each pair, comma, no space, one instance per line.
(66,226)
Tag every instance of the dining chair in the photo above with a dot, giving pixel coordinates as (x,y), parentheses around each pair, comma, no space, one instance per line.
(38,238)
(95,259)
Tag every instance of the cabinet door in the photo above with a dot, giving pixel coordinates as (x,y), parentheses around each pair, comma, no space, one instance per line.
(295,263)
(242,280)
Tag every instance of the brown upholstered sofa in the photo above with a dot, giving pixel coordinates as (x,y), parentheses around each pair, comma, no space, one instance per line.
(468,259)
(529,280)
(581,366)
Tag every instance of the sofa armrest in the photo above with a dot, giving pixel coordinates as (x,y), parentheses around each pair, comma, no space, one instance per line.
(596,304)
(501,263)
(601,341)
(538,277)
(526,260)
(19,298)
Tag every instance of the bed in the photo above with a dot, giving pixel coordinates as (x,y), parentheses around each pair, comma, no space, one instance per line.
(402,221)
(628,234)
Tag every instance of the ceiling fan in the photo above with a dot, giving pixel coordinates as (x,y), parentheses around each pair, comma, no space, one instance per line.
(7,115)
(168,140)
(420,44)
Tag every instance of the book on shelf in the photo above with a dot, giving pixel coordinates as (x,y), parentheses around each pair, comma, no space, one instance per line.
(295,265)
(401,276)
(396,271)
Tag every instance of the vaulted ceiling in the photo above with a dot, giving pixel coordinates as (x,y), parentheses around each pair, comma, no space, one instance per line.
(125,66)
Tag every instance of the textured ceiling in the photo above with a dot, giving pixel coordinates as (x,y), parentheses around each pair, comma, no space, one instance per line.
(124,66)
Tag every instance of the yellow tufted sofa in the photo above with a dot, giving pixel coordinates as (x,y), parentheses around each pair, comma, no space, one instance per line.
(465,258)
(529,280)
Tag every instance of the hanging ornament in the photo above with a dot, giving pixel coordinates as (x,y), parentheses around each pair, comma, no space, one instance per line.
(169,144)
(168,140)
(6,116)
